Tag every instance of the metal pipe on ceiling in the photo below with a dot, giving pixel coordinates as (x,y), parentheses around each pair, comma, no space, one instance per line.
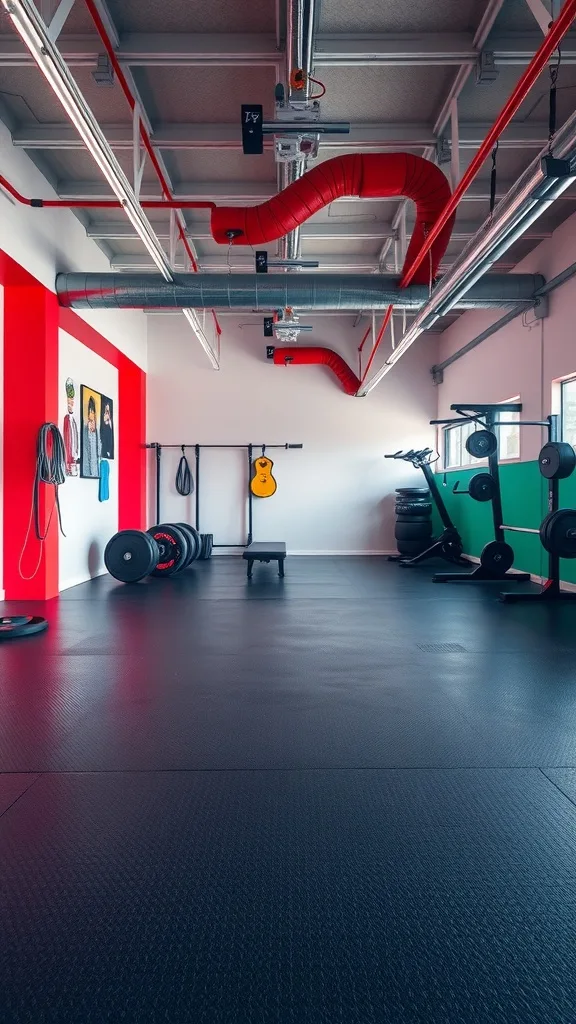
(300,28)
(272,291)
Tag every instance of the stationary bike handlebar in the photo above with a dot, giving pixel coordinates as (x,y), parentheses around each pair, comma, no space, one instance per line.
(416,458)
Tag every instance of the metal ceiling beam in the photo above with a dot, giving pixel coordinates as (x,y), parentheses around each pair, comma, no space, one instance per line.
(200,230)
(440,49)
(241,263)
(388,136)
(493,8)
(358,231)
(248,192)
(259,49)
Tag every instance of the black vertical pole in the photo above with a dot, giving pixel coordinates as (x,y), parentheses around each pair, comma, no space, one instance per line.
(553,503)
(197,493)
(249,494)
(495,474)
(158,481)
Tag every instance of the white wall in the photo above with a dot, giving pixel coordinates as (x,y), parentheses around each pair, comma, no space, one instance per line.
(523,358)
(336,495)
(87,522)
(46,241)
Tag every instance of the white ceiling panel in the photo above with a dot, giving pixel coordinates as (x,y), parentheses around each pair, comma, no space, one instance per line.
(377,94)
(198,95)
(222,165)
(399,16)
(192,15)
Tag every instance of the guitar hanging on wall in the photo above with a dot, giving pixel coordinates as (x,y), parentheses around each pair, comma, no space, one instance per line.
(263,484)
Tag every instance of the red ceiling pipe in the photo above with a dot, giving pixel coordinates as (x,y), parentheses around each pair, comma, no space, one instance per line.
(366,175)
(381,332)
(413,267)
(102,204)
(325,356)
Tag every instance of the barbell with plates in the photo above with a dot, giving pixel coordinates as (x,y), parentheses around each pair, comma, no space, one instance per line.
(557,532)
(481,444)
(557,460)
(482,487)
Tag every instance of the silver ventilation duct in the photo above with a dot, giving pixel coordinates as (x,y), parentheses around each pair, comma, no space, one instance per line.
(276,291)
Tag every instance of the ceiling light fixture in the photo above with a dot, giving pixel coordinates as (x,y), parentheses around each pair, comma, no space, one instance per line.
(34,33)
(192,318)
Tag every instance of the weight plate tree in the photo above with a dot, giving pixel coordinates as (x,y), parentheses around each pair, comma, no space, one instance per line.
(173,549)
(131,555)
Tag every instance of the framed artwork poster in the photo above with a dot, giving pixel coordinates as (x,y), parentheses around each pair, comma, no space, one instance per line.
(91,408)
(107,428)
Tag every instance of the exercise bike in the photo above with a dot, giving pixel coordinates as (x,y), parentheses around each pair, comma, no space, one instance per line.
(449,545)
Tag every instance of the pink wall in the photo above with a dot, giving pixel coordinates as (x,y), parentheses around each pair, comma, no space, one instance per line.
(518,360)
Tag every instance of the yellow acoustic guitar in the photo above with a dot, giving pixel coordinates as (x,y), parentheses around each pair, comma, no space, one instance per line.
(263,484)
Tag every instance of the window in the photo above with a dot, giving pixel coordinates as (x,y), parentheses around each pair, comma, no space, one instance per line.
(456,454)
(568,411)
(508,436)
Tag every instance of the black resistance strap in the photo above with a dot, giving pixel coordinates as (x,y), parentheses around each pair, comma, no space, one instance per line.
(184,482)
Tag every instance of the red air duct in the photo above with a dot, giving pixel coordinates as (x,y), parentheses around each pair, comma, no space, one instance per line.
(325,356)
(366,175)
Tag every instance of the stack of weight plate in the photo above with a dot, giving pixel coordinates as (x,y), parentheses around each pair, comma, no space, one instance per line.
(413,530)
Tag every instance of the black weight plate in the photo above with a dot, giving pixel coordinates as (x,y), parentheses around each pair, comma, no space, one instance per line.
(558,533)
(557,460)
(130,555)
(13,626)
(496,557)
(173,549)
(406,508)
(194,541)
(413,531)
(481,444)
(413,492)
(187,549)
(482,487)
(413,519)
(413,547)
(209,543)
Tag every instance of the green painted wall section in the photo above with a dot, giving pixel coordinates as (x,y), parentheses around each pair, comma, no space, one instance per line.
(524,503)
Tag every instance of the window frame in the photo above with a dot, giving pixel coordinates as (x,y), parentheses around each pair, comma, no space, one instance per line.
(565,380)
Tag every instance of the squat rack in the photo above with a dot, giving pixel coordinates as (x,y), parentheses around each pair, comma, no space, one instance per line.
(249,448)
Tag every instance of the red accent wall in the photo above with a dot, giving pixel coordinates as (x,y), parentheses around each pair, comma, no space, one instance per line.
(32,318)
(30,399)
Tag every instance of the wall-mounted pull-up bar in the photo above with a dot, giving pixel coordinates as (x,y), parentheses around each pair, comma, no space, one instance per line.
(249,448)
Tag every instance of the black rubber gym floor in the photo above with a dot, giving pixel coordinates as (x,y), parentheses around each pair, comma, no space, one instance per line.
(345,796)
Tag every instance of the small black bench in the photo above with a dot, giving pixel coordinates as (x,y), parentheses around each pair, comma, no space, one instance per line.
(265,551)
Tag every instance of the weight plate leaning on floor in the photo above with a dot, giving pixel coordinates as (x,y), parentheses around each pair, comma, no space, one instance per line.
(173,548)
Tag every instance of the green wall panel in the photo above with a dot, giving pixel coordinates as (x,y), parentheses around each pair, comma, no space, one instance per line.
(524,503)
